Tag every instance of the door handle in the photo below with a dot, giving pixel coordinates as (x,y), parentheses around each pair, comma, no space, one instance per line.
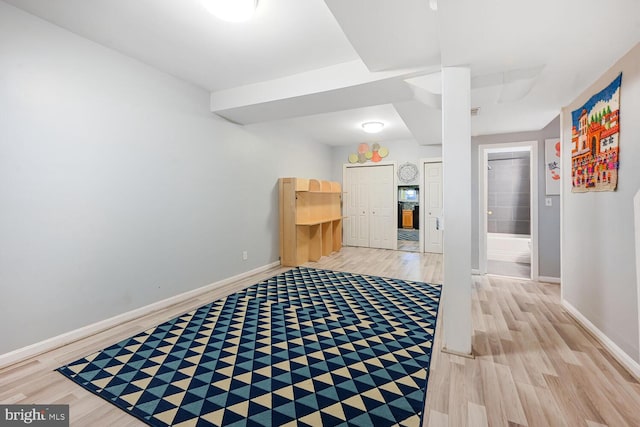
(437,223)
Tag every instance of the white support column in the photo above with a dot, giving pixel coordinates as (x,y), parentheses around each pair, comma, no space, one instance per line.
(456,157)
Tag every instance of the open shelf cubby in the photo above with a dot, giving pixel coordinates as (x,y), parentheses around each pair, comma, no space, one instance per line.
(310,220)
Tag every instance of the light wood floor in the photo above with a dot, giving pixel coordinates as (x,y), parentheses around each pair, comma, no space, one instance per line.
(534,365)
(408,245)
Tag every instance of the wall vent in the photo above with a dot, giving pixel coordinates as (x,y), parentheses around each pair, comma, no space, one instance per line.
(475,111)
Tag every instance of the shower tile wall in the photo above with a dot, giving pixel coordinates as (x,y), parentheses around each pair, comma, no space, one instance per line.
(508,193)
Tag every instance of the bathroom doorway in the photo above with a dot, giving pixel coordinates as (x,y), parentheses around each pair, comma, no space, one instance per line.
(508,226)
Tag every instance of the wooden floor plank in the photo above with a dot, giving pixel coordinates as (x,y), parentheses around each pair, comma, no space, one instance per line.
(477,415)
(572,401)
(552,412)
(473,384)
(628,407)
(531,405)
(458,380)
(496,414)
(437,419)
(534,365)
(599,401)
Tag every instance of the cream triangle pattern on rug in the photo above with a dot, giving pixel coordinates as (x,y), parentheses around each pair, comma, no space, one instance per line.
(307,347)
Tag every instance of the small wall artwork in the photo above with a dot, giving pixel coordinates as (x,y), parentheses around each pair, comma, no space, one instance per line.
(375,153)
(552,162)
(595,151)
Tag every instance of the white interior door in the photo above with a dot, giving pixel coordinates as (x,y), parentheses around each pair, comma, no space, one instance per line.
(357,208)
(433,207)
(382,230)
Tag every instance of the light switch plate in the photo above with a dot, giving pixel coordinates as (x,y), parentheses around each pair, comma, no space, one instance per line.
(548,201)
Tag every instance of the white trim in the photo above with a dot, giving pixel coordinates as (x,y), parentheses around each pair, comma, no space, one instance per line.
(457,353)
(506,276)
(422,162)
(475,271)
(482,208)
(562,173)
(533,167)
(395,203)
(623,358)
(636,211)
(547,279)
(371,164)
(102,325)
(483,151)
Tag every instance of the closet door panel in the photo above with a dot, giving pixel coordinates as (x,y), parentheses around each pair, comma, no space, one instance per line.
(382,232)
(357,208)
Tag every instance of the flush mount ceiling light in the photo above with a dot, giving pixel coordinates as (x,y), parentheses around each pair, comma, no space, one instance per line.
(372,127)
(231,10)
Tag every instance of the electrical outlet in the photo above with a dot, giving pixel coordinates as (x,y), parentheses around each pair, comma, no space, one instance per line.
(245,255)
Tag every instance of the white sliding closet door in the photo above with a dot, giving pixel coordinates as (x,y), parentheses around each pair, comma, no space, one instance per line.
(370,207)
(357,208)
(382,230)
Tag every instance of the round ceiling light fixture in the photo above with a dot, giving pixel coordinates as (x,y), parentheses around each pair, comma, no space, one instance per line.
(372,127)
(231,10)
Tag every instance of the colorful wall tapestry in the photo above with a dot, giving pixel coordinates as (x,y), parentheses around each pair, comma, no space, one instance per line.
(552,160)
(595,141)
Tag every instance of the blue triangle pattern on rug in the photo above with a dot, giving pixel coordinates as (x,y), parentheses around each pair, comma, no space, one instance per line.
(307,347)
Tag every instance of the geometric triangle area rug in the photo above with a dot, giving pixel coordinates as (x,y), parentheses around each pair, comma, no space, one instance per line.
(307,347)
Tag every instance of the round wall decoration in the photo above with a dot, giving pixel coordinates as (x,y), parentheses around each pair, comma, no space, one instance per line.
(375,153)
(407,172)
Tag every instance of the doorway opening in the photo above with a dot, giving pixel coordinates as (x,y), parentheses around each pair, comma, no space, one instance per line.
(409,218)
(508,210)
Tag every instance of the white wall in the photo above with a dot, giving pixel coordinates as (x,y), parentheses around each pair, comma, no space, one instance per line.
(399,151)
(598,254)
(118,188)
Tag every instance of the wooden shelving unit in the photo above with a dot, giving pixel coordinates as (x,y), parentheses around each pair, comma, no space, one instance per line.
(310,220)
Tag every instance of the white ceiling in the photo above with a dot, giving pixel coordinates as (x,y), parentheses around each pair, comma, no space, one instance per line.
(322,67)
(346,126)
(180,37)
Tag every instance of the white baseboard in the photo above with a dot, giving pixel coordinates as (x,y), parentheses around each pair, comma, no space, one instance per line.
(548,279)
(475,271)
(623,358)
(85,331)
